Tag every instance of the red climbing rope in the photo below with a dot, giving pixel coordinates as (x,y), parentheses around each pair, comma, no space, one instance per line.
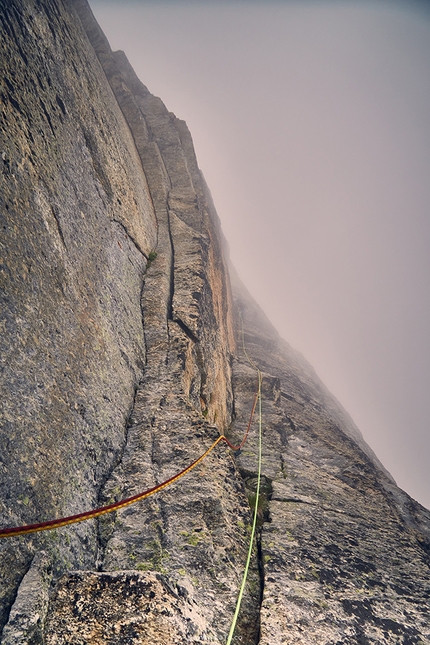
(102,510)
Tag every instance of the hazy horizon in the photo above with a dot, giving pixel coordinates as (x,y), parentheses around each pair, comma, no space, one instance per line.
(311,125)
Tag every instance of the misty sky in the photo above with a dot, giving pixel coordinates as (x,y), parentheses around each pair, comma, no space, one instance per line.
(311,126)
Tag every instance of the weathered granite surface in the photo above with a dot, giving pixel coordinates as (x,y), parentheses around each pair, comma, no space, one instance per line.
(122,361)
(77,227)
(346,554)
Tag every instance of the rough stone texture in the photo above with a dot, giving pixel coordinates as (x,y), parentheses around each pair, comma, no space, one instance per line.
(195,531)
(29,610)
(76,224)
(345,552)
(124,607)
(120,367)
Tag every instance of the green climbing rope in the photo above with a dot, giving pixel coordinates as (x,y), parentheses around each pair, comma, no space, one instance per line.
(257,496)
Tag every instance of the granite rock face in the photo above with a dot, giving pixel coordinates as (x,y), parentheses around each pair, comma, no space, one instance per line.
(77,227)
(122,361)
(345,553)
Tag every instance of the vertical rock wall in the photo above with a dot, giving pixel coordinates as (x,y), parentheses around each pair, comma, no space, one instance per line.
(195,534)
(122,362)
(126,359)
(77,226)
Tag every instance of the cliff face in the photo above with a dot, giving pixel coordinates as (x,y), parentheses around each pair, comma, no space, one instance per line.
(122,362)
(77,227)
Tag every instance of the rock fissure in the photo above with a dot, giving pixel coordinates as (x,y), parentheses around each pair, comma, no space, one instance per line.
(298,500)
(132,239)
(54,212)
(7,609)
(101,496)
(27,617)
(187,331)
(261,577)
(172,271)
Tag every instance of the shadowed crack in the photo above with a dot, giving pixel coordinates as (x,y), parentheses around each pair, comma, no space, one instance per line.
(54,211)
(172,271)
(8,609)
(101,543)
(131,238)
(186,330)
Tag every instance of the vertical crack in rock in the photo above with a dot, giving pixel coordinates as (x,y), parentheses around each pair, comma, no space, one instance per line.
(54,212)
(8,602)
(28,613)
(101,498)
(171,273)
(261,575)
